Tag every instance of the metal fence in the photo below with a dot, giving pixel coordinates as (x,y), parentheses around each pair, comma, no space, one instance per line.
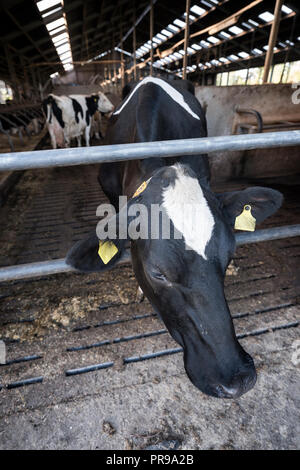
(113,153)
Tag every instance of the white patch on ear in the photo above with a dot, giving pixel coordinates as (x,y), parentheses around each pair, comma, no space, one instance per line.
(187,207)
(174,94)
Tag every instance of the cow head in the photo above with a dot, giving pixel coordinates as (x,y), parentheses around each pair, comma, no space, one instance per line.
(104,105)
(183,278)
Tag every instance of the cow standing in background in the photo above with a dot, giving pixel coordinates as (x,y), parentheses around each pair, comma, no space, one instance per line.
(68,117)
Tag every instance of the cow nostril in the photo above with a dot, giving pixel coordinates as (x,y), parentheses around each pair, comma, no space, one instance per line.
(241,384)
(227,392)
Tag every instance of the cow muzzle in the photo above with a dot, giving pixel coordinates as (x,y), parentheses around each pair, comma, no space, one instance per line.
(241,383)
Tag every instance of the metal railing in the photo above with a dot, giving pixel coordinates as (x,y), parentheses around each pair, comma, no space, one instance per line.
(139,151)
(114,153)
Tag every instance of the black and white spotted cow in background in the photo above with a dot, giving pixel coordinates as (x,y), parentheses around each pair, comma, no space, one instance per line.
(70,117)
(182,278)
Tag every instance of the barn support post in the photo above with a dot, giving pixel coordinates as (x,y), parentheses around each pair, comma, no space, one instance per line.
(114,79)
(151,37)
(272,40)
(12,73)
(122,57)
(186,37)
(134,45)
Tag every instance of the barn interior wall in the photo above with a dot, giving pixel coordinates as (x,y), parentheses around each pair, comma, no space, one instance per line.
(277,100)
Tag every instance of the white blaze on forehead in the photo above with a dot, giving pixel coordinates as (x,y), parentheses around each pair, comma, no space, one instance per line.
(174,94)
(187,207)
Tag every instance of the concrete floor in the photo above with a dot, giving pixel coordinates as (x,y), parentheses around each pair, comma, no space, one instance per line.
(54,325)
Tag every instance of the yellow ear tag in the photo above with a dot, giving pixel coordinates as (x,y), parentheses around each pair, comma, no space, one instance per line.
(245,221)
(141,188)
(107,250)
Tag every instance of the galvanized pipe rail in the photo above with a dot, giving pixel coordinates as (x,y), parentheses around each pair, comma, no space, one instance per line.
(137,151)
(46,268)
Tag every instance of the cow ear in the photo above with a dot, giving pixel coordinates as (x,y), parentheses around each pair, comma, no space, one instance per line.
(93,255)
(102,250)
(263,201)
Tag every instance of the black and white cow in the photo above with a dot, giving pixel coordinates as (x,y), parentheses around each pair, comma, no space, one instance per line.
(182,278)
(68,117)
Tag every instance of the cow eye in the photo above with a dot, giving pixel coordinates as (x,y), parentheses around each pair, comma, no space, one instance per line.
(159,276)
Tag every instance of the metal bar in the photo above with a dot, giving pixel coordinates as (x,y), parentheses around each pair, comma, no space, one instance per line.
(142,15)
(258,116)
(46,268)
(151,37)
(167,148)
(262,235)
(272,39)
(134,44)
(186,36)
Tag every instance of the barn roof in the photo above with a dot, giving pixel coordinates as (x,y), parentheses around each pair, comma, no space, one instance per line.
(95,26)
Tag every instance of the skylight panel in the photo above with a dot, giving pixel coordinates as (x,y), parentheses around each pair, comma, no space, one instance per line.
(190,50)
(254,23)
(256,51)
(161,36)
(191,17)
(243,54)
(173,28)
(45,4)
(266,16)
(209,5)
(197,10)
(44,15)
(196,46)
(223,59)
(65,55)
(235,30)
(246,25)
(60,43)
(62,49)
(233,57)
(55,24)
(204,43)
(286,9)
(156,40)
(224,35)
(60,37)
(57,30)
(213,39)
(179,23)
(166,33)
